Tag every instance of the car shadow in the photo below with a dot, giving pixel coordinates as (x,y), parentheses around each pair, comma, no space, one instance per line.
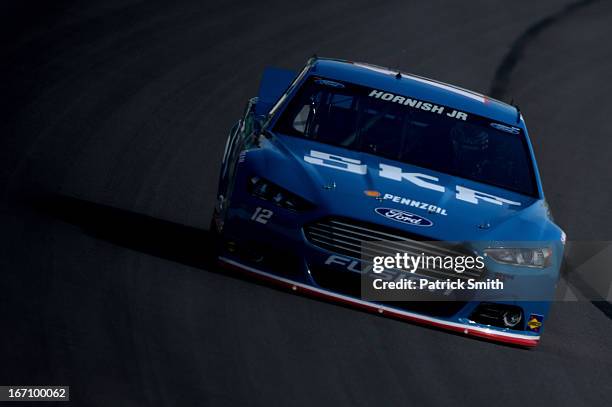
(157,237)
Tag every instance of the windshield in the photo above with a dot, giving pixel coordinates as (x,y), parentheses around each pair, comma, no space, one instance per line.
(412,131)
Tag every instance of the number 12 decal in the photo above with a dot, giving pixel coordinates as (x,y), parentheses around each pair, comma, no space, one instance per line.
(262,215)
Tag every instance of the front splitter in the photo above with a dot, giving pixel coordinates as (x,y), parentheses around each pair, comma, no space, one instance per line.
(467,329)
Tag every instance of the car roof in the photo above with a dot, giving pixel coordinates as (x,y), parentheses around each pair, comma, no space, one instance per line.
(417,87)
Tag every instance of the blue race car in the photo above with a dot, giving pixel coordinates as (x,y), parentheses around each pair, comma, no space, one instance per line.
(344,153)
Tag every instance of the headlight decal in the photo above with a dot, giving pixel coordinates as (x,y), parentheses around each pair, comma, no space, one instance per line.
(539,257)
(268,191)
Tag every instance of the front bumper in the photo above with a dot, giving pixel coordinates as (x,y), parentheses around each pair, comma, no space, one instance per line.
(248,243)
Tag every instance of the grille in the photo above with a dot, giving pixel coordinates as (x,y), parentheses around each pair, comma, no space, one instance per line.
(346,237)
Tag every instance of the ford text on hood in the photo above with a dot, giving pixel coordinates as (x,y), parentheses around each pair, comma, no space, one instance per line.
(345,153)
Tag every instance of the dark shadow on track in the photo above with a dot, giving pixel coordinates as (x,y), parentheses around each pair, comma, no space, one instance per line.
(160,238)
(500,84)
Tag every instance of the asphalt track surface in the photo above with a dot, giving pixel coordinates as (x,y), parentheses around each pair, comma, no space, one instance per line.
(114,116)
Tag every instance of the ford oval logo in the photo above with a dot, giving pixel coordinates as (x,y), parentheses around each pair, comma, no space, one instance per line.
(403,216)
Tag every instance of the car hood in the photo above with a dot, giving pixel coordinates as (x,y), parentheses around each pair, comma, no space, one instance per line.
(368,196)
